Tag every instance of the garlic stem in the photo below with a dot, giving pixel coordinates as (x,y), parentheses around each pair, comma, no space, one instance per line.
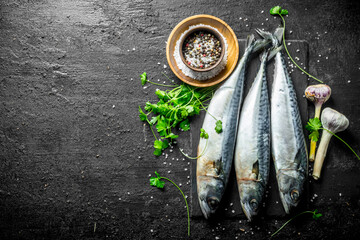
(321,153)
(317,110)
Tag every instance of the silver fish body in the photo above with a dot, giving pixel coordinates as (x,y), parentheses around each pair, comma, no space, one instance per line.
(252,151)
(215,154)
(287,138)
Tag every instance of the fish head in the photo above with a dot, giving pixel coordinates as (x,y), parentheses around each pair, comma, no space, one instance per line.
(210,191)
(290,185)
(250,198)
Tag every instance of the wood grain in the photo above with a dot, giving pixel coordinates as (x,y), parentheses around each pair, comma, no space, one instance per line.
(230,206)
(223,28)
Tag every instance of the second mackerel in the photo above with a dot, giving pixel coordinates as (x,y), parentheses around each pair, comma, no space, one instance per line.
(252,151)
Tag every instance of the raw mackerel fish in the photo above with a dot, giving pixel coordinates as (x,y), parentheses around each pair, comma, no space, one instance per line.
(287,138)
(215,154)
(252,151)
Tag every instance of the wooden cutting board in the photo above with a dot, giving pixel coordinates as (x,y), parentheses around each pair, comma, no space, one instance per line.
(230,205)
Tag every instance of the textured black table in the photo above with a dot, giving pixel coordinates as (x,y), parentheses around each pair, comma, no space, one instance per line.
(74,157)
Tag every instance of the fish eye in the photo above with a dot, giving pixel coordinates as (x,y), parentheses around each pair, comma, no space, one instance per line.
(213,202)
(294,195)
(254,204)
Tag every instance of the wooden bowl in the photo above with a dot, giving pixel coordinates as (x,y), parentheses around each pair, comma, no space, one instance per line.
(223,28)
(205,29)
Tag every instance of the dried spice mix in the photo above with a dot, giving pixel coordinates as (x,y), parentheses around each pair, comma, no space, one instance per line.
(202,49)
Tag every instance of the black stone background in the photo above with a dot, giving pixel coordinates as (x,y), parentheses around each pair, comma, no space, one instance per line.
(75,158)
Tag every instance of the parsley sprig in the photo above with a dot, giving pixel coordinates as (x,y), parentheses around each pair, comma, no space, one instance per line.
(277,10)
(315,215)
(313,126)
(157,182)
(174,109)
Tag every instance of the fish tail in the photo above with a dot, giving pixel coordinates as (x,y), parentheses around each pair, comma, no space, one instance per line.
(273,52)
(264,55)
(250,40)
(278,33)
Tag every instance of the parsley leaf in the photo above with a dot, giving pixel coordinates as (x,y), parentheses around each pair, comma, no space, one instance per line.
(162,126)
(185,125)
(172,136)
(157,152)
(142,115)
(284,12)
(313,126)
(154,120)
(156,182)
(203,134)
(160,94)
(218,127)
(143,78)
(277,10)
(316,215)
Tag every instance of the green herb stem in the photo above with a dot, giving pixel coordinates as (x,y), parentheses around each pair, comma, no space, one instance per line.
(204,107)
(151,128)
(342,141)
(168,78)
(290,55)
(187,206)
(312,212)
(200,153)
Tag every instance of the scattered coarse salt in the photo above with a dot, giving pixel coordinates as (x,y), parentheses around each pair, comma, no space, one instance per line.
(133,49)
(165,66)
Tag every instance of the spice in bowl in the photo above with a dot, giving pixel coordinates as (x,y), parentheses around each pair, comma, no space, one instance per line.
(202,50)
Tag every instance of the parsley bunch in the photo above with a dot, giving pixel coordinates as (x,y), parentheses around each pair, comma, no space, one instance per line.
(174,109)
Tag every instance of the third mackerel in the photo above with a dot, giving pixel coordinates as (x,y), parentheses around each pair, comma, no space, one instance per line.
(287,138)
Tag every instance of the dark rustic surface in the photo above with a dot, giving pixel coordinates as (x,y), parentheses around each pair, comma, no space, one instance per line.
(74,157)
